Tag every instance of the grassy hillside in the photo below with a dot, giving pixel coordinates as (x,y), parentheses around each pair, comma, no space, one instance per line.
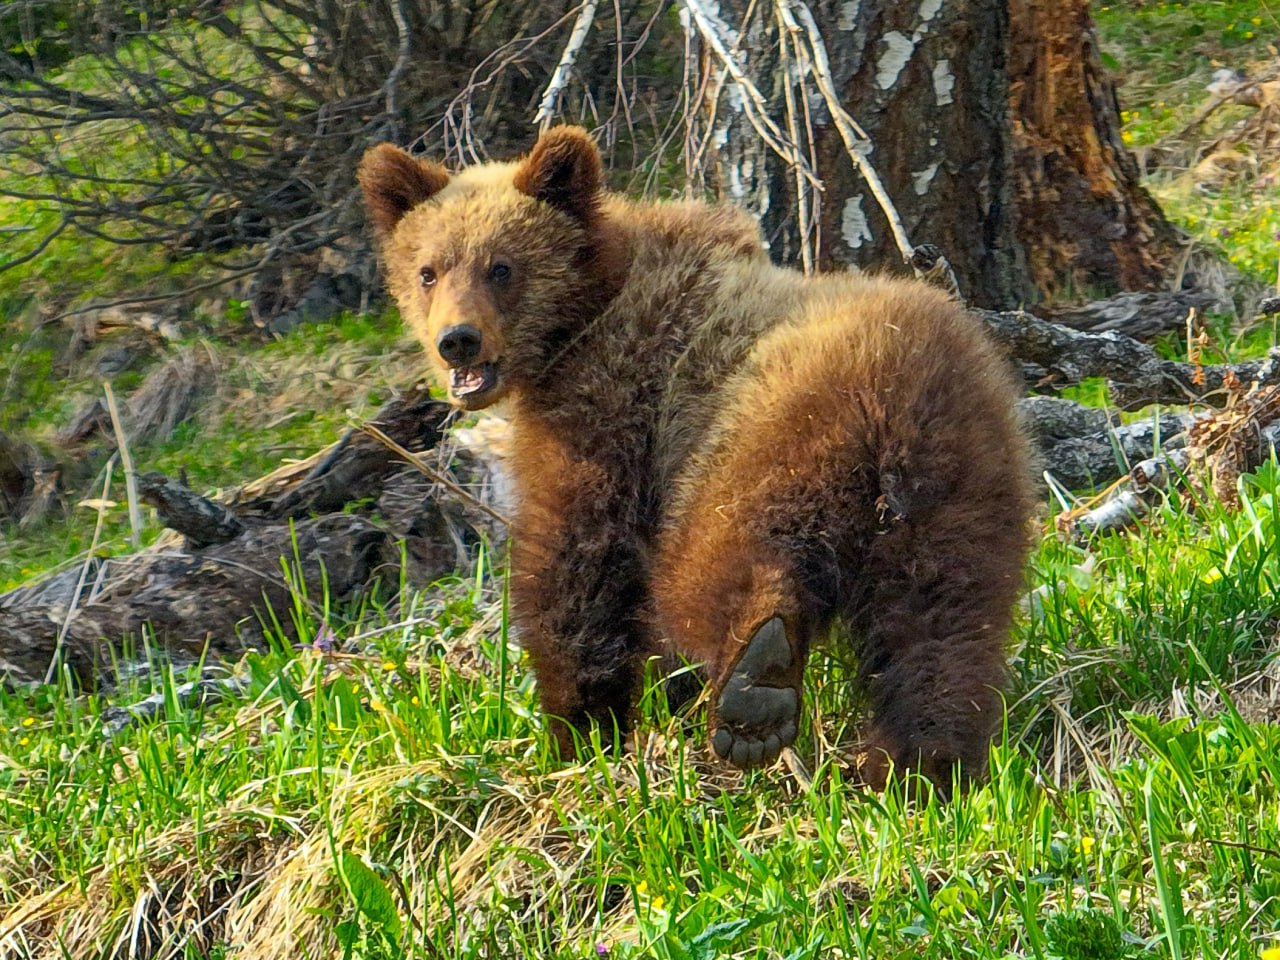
(402,802)
(1164,56)
(398,799)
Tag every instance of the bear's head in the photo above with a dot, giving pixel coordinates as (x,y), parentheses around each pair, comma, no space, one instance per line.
(497,267)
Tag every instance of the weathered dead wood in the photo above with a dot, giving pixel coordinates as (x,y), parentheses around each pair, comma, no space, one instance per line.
(31,484)
(1094,458)
(90,422)
(1142,316)
(1249,148)
(1232,441)
(46,497)
(1050,419)
(222,600)
(15,474)
(1136,375)
(353,469)
(169,394)
(199,519)
(1220,447)
(1123,507)
(354,520)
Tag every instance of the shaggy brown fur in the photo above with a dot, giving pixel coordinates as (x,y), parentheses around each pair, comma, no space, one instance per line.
(705,443)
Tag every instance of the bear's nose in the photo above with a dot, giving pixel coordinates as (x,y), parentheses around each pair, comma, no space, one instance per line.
(459,345)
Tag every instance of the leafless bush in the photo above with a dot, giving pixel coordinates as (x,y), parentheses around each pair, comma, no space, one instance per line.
(233,129)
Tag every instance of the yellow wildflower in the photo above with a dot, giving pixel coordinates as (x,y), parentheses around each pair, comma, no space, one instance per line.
(29,722)
(1086,845)
(1271,953)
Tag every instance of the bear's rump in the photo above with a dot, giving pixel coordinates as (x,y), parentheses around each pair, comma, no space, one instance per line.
(865,416)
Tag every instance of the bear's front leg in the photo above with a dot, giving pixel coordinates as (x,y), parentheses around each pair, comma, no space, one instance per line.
(577,599)
(578,590)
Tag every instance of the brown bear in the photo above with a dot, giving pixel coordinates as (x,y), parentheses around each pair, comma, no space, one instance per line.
(719,456)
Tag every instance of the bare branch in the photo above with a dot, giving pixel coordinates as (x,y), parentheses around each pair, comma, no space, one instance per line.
(546,109)
(717,35)
(856,142)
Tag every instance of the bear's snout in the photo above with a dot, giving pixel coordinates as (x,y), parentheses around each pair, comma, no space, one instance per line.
(459,345)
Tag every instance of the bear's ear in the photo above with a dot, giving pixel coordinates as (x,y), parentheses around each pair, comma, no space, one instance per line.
(394,183)
(564,170)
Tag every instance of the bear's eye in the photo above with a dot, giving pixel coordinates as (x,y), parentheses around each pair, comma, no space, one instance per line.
(427,276)
(500,272)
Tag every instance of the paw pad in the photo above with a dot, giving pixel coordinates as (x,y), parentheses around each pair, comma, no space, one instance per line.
(755,717)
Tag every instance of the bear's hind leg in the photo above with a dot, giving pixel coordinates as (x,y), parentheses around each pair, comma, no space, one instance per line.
(725,598)
(932,627)
(754,719)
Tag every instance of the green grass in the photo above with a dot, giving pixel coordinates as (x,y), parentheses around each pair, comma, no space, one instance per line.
(1164,55)
(407,802)
(273,402)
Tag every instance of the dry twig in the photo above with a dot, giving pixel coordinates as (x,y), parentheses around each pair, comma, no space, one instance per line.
(546,109)
(799,19)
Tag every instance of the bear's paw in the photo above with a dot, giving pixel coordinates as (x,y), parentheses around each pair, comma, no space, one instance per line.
(755,717)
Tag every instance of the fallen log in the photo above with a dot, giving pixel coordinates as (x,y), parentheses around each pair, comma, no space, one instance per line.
(1136,375)
(1219,447)
(1080,458)
(199,519)
(1141,315)
(355,518)
(1050,419)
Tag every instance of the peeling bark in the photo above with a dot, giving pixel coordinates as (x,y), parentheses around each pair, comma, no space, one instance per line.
(926,80)
(1084,221)
(928,88)
(993,126)
(740,165)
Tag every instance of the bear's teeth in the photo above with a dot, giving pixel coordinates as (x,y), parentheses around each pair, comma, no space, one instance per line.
(468,378)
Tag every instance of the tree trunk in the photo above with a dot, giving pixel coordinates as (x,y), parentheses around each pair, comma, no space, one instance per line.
(1084,221)
(927,85)
(926,81)
(991,123)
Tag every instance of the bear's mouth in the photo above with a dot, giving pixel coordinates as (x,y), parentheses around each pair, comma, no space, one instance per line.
(469,385)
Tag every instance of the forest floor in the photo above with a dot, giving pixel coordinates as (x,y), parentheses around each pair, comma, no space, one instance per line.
(384,787)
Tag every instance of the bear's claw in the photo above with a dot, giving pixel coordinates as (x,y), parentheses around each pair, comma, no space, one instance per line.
(753,719)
